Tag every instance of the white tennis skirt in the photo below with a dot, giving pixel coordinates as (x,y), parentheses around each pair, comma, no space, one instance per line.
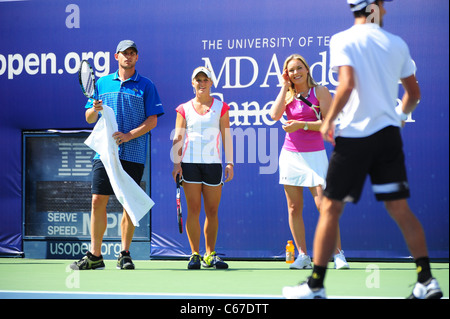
(307,169)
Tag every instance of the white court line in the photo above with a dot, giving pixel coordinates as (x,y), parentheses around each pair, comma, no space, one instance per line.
(82,294)
(24,294)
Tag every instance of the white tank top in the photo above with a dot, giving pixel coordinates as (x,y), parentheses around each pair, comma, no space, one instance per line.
(203,140)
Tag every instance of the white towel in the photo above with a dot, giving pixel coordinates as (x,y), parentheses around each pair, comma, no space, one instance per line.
(135,201)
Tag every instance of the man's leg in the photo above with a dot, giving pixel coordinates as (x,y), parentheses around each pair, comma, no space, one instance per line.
(413,234)
(127,229)
(426,287)
(317,193)
(124,261)
(409,225)
(325,239)
(98,222)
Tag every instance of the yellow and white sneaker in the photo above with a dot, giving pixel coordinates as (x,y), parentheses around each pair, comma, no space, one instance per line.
(213,261)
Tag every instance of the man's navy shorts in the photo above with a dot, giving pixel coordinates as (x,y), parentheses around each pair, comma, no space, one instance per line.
(100,179)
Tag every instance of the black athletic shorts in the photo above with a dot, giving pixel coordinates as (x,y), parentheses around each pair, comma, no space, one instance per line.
(100,179)
(208,174)
(380,156)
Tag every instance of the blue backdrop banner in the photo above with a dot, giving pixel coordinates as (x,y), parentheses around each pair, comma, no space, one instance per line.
(244,43)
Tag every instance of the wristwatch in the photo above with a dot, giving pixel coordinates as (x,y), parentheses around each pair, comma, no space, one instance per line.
(306,126)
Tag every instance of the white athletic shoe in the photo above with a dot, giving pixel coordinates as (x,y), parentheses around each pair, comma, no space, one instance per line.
(302,291)
(303,261)
(430,290)
(340,262)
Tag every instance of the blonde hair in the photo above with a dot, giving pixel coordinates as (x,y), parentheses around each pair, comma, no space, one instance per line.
(311,83)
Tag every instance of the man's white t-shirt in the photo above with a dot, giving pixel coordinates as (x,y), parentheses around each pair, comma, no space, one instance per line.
(379,60)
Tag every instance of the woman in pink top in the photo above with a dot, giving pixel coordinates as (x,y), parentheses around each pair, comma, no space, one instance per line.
(303,159)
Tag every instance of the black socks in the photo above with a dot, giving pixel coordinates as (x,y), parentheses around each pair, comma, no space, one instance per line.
(423,269)
(317,277)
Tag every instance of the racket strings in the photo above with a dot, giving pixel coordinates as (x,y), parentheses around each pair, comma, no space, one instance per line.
(87,80)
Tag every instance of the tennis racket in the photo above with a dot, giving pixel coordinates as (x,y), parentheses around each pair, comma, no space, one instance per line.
(87,80)
(314,107)
(180,219)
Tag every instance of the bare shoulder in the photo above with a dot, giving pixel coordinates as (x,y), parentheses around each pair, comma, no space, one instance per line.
(322,91)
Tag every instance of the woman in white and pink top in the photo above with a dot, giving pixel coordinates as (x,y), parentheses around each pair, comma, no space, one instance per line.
(202,127)
(303,159)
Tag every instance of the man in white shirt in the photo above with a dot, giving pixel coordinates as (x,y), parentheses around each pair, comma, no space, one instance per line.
(370,62)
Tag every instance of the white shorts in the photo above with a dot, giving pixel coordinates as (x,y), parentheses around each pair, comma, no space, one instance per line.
(308,169)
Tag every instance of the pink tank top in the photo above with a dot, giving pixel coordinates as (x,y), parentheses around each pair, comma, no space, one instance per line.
(301,140)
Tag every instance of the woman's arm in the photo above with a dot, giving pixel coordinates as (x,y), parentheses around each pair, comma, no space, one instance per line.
(177,146)
(279,106)
(227,142)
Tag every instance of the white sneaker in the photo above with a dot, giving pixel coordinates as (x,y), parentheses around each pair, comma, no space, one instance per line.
(340,262)
(303,291)
(426,291)
(303,261)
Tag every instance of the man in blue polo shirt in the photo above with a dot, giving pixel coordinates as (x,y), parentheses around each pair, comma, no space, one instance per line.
(137,106)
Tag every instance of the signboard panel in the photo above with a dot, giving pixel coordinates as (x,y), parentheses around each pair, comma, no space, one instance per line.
(57,201)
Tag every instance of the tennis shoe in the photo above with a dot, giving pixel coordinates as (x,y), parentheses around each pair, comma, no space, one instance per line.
(194,261)
(213,261)
(124,261)
(88,262)
(340,262)
(428,290)
(303,261)
(302,291)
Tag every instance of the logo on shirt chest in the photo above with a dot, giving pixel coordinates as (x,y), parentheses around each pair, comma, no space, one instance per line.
(135,90)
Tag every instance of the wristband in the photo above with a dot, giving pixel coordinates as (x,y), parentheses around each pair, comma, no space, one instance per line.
(404,116)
